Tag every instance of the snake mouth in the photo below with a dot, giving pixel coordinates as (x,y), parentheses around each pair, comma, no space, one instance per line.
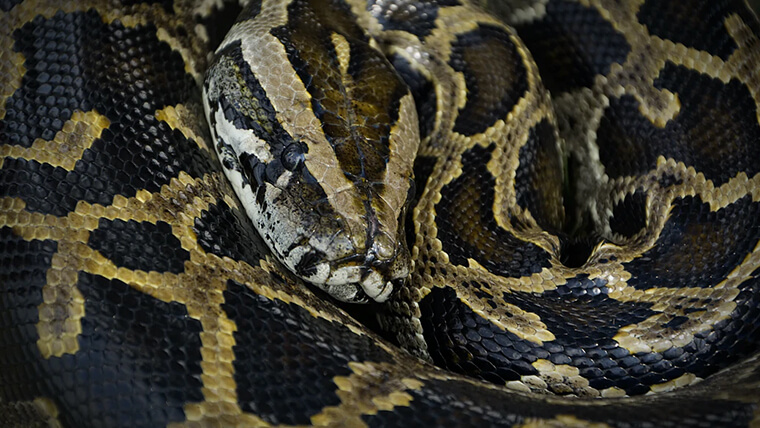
(358,283)
(358,293)
(364,291)
(356,278)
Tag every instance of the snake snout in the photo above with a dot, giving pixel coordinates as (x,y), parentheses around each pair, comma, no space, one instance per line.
(372,275)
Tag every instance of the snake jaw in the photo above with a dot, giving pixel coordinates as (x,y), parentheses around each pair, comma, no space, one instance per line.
(356,278)
(373,287)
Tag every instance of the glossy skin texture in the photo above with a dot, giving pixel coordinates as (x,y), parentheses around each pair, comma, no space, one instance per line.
(134,291)
(645,283)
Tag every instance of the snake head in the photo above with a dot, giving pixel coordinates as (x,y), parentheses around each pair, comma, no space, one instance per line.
(321,163)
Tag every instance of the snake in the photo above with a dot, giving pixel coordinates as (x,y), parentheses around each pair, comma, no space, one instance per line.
(534,213)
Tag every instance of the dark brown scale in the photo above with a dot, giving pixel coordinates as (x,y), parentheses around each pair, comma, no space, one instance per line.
(281,345)
(697,247)
(71,60)
(491,93)
(629,215)
(414,17)
(468,229)
(539,180)
(161,251)
(566,45)
(422,90)
(720,147)
(222,224)
(699,24)
(582,317)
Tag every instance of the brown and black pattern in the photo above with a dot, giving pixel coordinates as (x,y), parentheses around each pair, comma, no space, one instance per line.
(422,89)
(539,180)
(629,144)
(566,44)
(491,92)
(413,17)
(468,228)
(127,297)
(62,79)
(358,133)
(700,24)
(576,307)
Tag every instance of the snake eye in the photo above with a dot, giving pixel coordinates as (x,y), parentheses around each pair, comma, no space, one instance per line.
(293,155)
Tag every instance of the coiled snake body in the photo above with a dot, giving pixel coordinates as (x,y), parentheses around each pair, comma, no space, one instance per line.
(601,241)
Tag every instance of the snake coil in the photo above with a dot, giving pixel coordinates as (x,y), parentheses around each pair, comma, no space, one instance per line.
(579,246)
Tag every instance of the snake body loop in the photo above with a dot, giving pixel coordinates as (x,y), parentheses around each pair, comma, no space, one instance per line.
(557,203)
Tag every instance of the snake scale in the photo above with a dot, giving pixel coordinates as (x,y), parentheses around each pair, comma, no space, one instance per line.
(580,245)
